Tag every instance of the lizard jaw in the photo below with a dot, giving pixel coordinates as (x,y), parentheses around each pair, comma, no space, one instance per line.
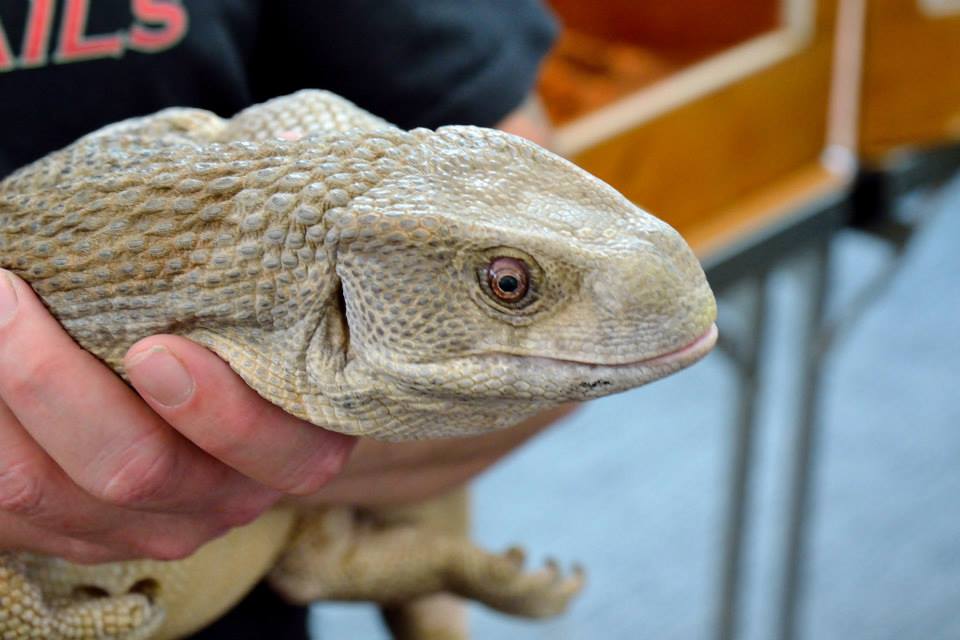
(502,389)
(588,380)
(539,379)
(687,354)
(695,350)
(598,380)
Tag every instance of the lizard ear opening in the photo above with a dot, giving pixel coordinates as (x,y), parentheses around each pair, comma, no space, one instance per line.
(292,366)
(339,326)
(328,346)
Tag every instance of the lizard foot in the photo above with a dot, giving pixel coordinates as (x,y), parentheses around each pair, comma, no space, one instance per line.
(86,615)
(501,582)
(338,557)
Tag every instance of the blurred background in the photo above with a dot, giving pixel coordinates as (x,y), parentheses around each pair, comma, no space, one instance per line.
(804,480)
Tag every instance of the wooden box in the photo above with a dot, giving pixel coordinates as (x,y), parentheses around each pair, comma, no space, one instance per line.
(911,76)
(715,120)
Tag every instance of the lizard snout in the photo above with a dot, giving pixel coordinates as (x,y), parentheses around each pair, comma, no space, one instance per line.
(659,294)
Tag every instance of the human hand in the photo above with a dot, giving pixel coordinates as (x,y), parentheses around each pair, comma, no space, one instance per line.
(92,472)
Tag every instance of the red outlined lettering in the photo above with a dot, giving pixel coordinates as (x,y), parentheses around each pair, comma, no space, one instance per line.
(6,58)
(36,39)
(75,45)
(171,17)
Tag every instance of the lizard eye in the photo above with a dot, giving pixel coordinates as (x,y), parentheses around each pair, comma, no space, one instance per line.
(509,279)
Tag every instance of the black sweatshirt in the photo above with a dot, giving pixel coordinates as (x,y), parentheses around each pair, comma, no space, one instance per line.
(68,67)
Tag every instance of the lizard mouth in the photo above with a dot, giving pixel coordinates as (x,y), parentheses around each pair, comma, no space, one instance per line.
(689,353)
(695,350)
(541,379)
(586,380)
(579,380)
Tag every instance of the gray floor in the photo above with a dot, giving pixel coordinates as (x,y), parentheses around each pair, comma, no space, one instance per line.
(633,486)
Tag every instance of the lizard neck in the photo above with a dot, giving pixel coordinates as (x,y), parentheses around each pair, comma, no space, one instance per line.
(127,237)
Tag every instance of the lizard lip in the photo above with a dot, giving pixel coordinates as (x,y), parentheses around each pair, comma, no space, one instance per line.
(696,349)
(686,354)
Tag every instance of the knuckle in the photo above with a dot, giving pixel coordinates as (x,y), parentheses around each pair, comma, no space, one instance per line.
(242,512)
(142,479)
(82,552)
(228,439)
(21,490)
(317,470)
(84,523)
(308,483)
(168,547)
(34,375)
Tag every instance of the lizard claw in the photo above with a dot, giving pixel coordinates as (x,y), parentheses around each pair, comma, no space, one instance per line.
(516,555)
(541,593)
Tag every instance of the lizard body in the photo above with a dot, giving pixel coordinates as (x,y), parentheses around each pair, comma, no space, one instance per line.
(378,282)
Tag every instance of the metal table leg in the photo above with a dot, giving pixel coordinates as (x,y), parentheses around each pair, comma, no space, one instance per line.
(745,352)
(745,267)
(803,462)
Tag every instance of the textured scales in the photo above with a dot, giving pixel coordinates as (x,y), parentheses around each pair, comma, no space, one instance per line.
(339,265)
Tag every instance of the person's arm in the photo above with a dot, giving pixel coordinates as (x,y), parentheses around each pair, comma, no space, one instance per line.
(415,63)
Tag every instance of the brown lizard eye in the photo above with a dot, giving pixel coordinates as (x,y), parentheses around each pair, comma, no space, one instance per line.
(509,279)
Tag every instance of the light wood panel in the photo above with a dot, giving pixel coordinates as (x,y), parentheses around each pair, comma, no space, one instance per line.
(911,81)
(765,207)
(700,152)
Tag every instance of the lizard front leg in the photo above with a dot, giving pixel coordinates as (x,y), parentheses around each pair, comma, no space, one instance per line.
(398,562)
(25,613)
(440,616)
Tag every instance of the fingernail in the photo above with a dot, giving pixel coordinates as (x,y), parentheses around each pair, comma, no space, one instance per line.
(159,374)
(8,297)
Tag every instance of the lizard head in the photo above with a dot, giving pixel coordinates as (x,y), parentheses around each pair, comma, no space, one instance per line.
(487,279)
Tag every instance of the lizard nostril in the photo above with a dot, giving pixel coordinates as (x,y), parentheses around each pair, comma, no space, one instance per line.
(90,592)
(147,587)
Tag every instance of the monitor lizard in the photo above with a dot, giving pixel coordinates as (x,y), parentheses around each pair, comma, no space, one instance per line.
(377,282)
